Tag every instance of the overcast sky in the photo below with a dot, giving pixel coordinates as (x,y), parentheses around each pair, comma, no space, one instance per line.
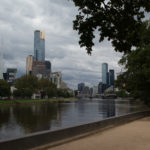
(19,19)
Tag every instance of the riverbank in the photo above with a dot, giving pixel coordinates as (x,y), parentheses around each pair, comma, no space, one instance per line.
(26,101)
(134,135)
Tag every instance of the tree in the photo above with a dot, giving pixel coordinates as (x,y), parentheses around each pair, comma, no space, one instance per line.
(24,92)
(120,21)
(4,88)
(47,87)
(137,74)
(26,86)
(51,92)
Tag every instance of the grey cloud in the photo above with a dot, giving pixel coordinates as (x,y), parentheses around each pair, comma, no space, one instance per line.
(19,19)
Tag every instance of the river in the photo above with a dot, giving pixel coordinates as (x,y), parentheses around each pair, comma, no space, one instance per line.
(19,120)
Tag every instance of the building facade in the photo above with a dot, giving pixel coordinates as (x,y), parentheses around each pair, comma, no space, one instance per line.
(95,91)
(11,75)
(111,77)
(56,78)
(39,46)
(40,70)
(29,64)
(81,87)
(48,65)
(105,73)
(100,88)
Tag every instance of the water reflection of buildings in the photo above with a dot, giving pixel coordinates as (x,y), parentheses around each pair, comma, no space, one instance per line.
(108,108)
(19,120)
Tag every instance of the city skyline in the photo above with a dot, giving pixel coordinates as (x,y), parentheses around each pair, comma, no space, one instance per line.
(61,45)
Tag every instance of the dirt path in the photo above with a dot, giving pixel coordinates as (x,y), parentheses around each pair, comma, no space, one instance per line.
(131,136)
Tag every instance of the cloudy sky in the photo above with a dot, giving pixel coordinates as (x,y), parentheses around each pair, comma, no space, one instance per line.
(19,19)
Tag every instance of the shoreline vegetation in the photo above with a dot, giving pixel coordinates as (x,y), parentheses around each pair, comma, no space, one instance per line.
(30,101)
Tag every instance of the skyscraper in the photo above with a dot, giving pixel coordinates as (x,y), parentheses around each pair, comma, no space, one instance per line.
(29,64)
(111,77)
(81,87)
(105,73)
(39,46)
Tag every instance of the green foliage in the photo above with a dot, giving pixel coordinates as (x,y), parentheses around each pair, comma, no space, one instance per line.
(4,88)
(63,93)
(17,93)
(47,87)
(52,92)
(28,84)
(44,84)
(24,92)
(76,93)
(120,21)
(122,93)
(137,74)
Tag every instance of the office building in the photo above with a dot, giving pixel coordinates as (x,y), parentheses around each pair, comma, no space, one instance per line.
(56,78)
(40,70)
(48,65)
(86,91)
(100,88)
(39,46)
(111,77)
(29,64)
(81,87)
(95,91)
(11,75)
(105,73)
(40,67)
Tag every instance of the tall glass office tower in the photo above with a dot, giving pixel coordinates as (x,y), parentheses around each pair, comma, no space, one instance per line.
(111,77)
(105,73)
(39,46)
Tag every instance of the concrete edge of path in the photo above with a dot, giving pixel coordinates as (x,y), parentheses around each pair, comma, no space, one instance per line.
(77,137)
(41,140)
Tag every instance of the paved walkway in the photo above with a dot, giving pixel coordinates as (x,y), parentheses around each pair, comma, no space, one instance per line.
(131,136)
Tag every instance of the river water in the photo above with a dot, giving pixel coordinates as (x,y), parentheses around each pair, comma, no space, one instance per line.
(20,120)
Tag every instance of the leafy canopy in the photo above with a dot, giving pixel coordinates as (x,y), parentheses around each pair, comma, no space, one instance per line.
(117,20)
(4,88)
(137,74)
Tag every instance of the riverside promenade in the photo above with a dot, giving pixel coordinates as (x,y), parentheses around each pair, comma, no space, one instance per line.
(131,136)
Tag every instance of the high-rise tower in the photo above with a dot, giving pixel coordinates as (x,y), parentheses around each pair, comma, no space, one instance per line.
(105,73)
(29,64)
(39,46)
(111,77)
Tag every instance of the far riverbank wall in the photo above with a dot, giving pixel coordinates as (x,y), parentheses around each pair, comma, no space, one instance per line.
(57,137)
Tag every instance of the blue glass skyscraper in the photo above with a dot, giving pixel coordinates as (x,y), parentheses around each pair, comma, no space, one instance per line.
(105,73)
(111,77)
(39,46)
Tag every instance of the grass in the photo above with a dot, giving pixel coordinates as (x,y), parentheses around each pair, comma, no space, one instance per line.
(22,101)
